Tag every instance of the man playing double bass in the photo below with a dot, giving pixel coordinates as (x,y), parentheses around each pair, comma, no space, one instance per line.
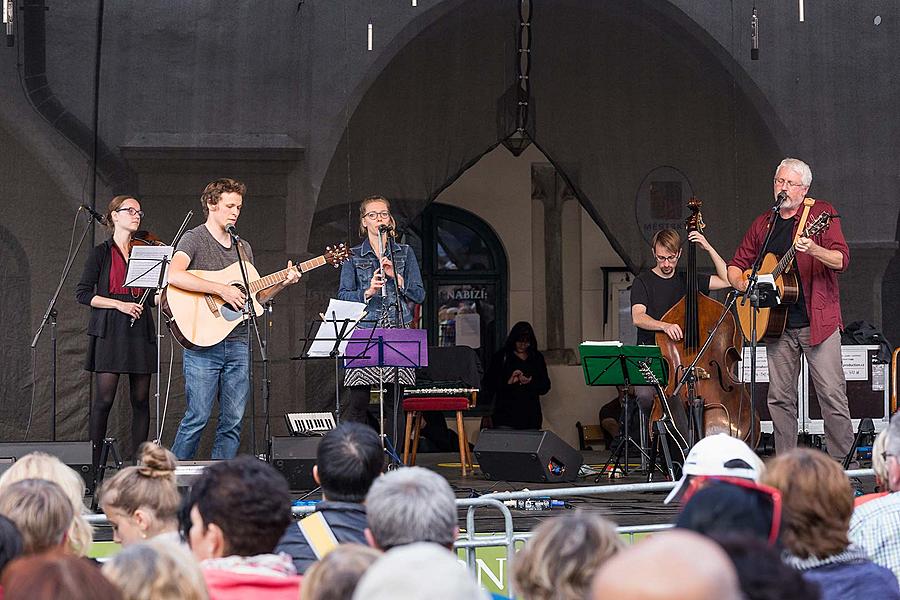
(814,321)
(655,291)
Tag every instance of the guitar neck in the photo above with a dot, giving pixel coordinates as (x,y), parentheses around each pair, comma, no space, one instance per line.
(784,262)
(275,278)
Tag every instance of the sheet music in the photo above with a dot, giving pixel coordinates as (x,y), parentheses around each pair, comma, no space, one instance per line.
(337,312)
(144,265)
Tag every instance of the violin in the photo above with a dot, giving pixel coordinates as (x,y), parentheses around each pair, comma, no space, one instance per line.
(143,237)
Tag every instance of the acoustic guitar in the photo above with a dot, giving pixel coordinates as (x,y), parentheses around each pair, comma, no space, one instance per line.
(199,320)
(770,322)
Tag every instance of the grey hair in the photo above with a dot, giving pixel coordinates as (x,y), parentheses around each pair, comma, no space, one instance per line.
(800,167)
(411,505)
(892,440)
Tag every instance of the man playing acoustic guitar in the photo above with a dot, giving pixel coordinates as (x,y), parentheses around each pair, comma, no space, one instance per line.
(221,370)
(814,321)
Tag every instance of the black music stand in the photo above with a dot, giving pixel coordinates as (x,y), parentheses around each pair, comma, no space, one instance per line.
(615,364)
(392,347)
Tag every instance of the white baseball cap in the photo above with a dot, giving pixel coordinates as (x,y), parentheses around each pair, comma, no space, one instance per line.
(718,455)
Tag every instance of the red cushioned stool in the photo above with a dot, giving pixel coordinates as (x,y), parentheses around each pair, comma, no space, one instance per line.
(414,406)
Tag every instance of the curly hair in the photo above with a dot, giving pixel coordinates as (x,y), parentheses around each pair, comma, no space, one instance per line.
(213,191)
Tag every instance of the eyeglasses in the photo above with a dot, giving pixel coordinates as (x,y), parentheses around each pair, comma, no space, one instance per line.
(793,184)
(885,455)
(376,215)
(666,259)
(131,211)
(701,481)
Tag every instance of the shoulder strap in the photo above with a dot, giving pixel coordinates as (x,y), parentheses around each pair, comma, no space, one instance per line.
(241,251)
(807,204)
(318,534)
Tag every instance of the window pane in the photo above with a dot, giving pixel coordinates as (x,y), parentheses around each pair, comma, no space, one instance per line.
(461,249)
(466,315)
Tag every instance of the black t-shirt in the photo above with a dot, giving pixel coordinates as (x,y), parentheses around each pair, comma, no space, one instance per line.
(659,295)
(781,242)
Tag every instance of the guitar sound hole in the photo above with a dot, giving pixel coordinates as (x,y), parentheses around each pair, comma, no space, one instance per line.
(229,313)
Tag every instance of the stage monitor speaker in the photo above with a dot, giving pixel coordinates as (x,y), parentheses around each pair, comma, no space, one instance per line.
(530,456)
(294,458)
(75,454)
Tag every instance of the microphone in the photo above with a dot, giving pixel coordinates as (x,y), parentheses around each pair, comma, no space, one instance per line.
(9,11)
(231,231)
(754,36)
(94,214)
(385,228)
(782,196)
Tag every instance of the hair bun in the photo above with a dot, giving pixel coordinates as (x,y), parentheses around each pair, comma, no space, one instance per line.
(156,461)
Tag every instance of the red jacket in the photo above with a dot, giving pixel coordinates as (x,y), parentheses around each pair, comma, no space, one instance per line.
(228,585)
(820,284)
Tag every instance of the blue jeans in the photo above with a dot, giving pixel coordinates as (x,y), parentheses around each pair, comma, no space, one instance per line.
(218,371)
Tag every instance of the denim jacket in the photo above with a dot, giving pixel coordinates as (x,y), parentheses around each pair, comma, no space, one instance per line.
(356,274)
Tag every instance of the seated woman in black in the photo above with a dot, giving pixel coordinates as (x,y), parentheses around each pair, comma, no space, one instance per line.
(516,379)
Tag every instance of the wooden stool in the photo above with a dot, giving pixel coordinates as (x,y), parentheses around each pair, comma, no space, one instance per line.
(414,407)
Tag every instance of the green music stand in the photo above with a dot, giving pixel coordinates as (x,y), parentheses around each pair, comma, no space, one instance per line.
(612,363)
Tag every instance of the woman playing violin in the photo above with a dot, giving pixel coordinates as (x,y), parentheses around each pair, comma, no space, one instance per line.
(115,347)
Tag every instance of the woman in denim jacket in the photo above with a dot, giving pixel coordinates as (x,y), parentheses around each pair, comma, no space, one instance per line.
(374,279)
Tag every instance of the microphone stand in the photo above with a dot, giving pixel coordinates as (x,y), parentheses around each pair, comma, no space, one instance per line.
(50,315)
(249,314)
(751,294)
(399,316)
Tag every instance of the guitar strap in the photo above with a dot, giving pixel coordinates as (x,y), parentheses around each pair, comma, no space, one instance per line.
(807,204)
(243,254)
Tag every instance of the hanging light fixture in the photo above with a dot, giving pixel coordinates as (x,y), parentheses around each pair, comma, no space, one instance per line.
(520,139)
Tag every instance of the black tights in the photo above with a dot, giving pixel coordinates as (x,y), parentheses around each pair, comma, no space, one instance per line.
(107,383)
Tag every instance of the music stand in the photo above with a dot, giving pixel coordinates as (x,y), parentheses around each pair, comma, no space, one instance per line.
(148,269)
(614,364)
(338,321)
(391,347)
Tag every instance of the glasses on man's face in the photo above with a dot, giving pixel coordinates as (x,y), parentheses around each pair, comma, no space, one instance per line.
(885,455)
(666,259)
(132,211)
(384,214)
(792,184)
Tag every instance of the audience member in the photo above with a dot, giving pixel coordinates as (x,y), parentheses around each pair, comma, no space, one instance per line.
(348,460)
(760,571)
(879,465)
(416,571)
(239,509)
(563,555)
(875,526)
(39,465)
(718,455)
(40,511)
(10,543)
(411,505)
(143,501)
(336,576)
(674,564)
(56,576)
(731,505)
(158,569)
(818,502)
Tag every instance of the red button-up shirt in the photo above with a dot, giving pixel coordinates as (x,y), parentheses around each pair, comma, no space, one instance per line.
(820,283)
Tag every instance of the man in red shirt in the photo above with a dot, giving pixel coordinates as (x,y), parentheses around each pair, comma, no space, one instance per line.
(814,321)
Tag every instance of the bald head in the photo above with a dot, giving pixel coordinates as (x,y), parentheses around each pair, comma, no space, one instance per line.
(674,565)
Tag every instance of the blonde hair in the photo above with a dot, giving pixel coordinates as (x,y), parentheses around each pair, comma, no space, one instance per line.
(158,569)
(40,511)
(336,576)
(362,215)
(39,465)
(561,558)
(882,476)
(150,486)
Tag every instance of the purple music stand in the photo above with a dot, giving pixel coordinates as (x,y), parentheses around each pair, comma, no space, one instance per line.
(387,347)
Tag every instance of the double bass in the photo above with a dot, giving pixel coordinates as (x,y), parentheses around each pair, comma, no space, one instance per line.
(716,394)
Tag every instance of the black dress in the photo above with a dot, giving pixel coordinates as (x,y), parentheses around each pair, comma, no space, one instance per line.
(113,345)
(519,405)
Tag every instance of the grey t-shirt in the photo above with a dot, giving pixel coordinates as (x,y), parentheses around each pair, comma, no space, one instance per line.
(205,251)
(207,254)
